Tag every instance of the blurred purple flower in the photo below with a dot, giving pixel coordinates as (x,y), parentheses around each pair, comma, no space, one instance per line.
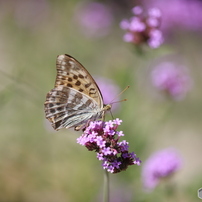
(95,19)
(109,90)
(103,138)
(172,79)
(143,27)
(181,14)
(160,165)
(137,10)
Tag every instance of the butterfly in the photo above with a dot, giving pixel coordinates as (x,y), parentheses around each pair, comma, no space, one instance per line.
(76,99)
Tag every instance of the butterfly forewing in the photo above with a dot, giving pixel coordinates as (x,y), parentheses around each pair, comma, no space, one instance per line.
(76,98)
(72,74)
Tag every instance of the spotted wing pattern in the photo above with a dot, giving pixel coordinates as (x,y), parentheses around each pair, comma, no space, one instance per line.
(76,99)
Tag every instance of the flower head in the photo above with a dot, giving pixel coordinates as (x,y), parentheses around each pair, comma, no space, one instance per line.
(143,28)
(103,138)
(171,79)
(160,165)
(179,14)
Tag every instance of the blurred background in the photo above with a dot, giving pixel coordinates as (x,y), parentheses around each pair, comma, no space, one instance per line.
(39,164)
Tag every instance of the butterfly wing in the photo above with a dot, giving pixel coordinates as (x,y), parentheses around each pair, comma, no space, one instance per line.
(76,98)
(72,74)
(66,108)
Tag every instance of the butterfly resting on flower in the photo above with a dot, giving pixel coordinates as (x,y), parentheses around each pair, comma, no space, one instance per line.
(76,99)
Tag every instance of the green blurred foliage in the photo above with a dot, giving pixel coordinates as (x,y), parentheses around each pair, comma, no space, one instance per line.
(38,164)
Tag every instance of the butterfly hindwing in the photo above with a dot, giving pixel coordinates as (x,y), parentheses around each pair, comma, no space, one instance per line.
(66,107)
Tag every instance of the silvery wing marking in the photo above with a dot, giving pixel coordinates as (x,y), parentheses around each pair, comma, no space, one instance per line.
(76,98)
(66,107)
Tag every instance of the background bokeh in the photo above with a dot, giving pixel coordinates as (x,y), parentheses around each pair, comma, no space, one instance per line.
(39,164)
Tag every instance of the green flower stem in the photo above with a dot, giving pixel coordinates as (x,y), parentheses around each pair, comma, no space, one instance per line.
(106,187)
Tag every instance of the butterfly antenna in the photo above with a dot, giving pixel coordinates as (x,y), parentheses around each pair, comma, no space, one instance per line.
(119,101)
(126,88)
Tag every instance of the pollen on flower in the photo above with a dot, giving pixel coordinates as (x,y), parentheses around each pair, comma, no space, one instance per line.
(103,138)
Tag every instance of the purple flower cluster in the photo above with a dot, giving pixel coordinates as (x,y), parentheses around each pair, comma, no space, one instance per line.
(143,28)
(160,165)
(179,14)
(103,138)
(171,79)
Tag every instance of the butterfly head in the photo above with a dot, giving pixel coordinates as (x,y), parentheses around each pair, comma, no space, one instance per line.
(107,107)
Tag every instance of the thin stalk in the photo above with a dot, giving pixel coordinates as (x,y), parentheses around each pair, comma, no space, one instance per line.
(106,187)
